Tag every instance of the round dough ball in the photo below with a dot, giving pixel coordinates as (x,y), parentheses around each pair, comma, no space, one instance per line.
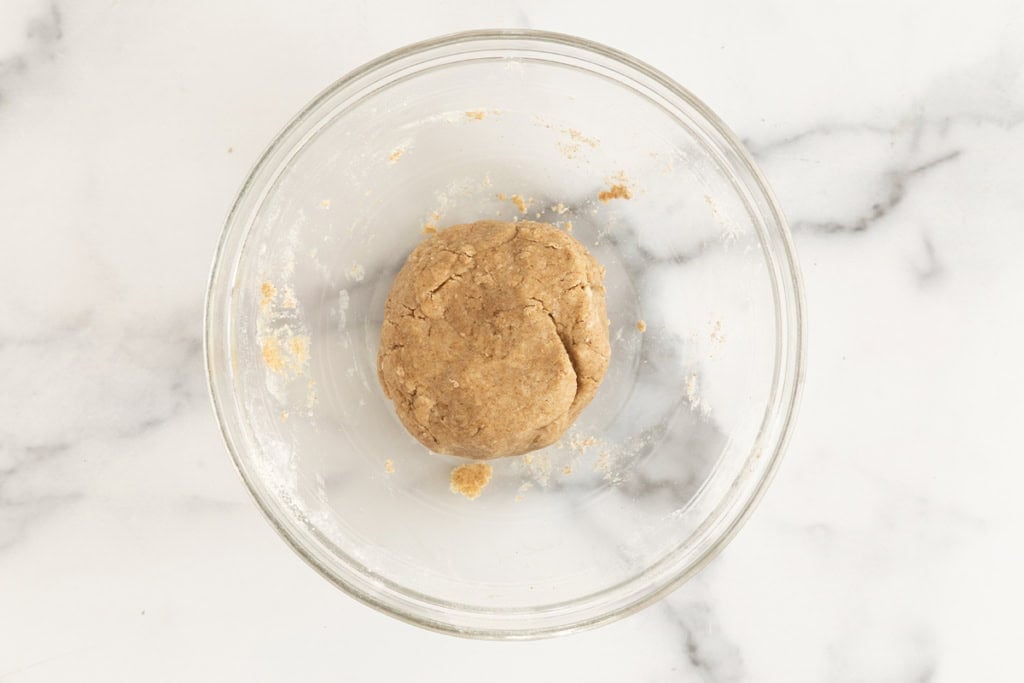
(495,337)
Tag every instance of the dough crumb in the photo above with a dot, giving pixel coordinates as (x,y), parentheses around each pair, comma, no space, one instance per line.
(580,444)
(429,229)
(470,480)
(272,354)
(540,468)
(268,291)
(325,203)
(396,155)
(616,191)
(691,391)
(284,416)
(716,335)
(641,325)
(288,300)
(567,469)
(299,346)
(476,114)
(568,226)
(559,208)
(389,466)
(501,196)
(580,137)
(569,150)
(520,203)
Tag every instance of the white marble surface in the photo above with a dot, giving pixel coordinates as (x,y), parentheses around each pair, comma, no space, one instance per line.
(889,547)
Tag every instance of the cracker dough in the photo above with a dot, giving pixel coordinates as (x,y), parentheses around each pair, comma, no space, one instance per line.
(495,337)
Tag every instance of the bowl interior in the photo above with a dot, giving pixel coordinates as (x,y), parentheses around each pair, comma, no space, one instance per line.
(657,469)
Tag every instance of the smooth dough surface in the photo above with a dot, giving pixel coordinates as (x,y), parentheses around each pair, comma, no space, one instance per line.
(495,337)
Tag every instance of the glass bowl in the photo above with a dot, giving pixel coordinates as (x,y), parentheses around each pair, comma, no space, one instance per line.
(706,325)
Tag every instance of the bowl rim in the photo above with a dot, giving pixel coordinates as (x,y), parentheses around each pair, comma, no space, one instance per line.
(791,369)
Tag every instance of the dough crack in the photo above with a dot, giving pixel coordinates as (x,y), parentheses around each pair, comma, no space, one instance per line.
(566,346)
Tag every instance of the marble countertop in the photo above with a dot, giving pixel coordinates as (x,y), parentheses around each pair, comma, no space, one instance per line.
(888,548)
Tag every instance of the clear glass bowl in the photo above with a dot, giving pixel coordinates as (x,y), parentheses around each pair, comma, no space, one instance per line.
(689,425)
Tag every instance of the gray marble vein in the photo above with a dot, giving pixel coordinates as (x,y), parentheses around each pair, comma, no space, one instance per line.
(704,648)
(26,459)
(896,184)
(42,33)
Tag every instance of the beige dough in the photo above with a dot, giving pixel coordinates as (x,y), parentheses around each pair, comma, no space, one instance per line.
(495,337)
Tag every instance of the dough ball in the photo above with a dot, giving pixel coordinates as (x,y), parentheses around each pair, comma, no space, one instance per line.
(495,337)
